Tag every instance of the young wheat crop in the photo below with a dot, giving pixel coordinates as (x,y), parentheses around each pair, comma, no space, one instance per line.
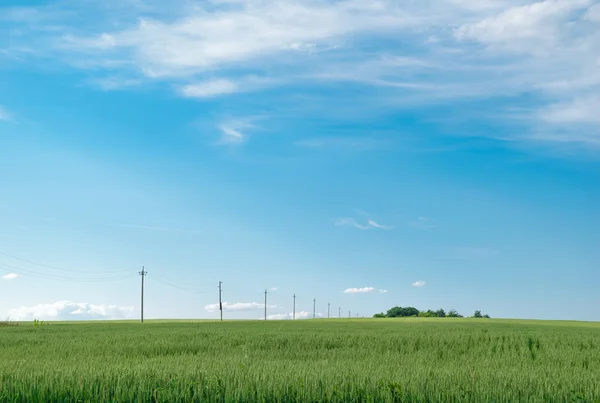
(292,361)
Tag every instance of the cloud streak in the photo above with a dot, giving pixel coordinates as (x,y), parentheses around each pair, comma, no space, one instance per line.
(238,307)
(364,290)
(451,50)
(68,310)
(352,223)
(289,316)
(5,115)
(419,283)
(10,276)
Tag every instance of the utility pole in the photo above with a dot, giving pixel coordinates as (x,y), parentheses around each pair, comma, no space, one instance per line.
(294,312)
(349,315)
(340,312)
(314,308)
(265,304)
(220,300)
(328,309)
(143,274)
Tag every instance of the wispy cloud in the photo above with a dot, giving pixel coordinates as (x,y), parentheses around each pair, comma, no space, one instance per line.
(209,89)
(5,115)
(419,283)
(364,290)
(155,228)
(114,83)
(67,310)
(423,223)
(288,316)
(10,276)
(235,131)
(451,50)
(224,86)
(238,306)
(351,222)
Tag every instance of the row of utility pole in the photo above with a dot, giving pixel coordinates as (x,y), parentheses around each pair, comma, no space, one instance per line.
(143,273)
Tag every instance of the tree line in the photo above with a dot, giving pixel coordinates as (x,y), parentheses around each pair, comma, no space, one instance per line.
(400,312)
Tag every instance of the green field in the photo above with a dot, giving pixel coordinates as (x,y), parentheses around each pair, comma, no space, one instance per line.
(409,359)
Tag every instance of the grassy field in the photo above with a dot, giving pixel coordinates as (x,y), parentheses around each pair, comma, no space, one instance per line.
(312,360)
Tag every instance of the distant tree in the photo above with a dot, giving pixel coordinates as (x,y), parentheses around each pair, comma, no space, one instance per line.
(399,312)
(379,315)
(477,314)
(440,313)
(486,316)
(453,314)
(427,314)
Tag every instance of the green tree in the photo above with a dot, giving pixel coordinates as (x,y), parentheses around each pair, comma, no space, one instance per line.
(399,312)
(477,314)
(427,314)
(379,315)
(440,313)
(453,314)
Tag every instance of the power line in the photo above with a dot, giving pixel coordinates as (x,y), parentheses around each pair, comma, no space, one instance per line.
(190,289)
(27,272)
(62,269)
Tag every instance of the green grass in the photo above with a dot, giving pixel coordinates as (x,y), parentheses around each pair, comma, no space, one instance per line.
(425,360)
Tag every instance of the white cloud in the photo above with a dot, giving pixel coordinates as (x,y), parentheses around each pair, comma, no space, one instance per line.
(225,86)
(114,83)
(287,316)
(351,222)
(274,289)
(579,110)
(530,28)
(231,135)
(549,50)
(593,13)
(419,283)
(67,310)
(210,89)
(220,34)
(235,131)
(10,276)
(4,114)
(238,306)
(364,290)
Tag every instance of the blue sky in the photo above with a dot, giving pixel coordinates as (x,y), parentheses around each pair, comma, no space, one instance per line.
(437,154)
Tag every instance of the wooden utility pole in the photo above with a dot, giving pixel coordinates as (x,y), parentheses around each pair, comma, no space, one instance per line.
(340,312)
(349,315)
(294,311)
(220,300)
(314,308)
(328,309)
(143,274)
